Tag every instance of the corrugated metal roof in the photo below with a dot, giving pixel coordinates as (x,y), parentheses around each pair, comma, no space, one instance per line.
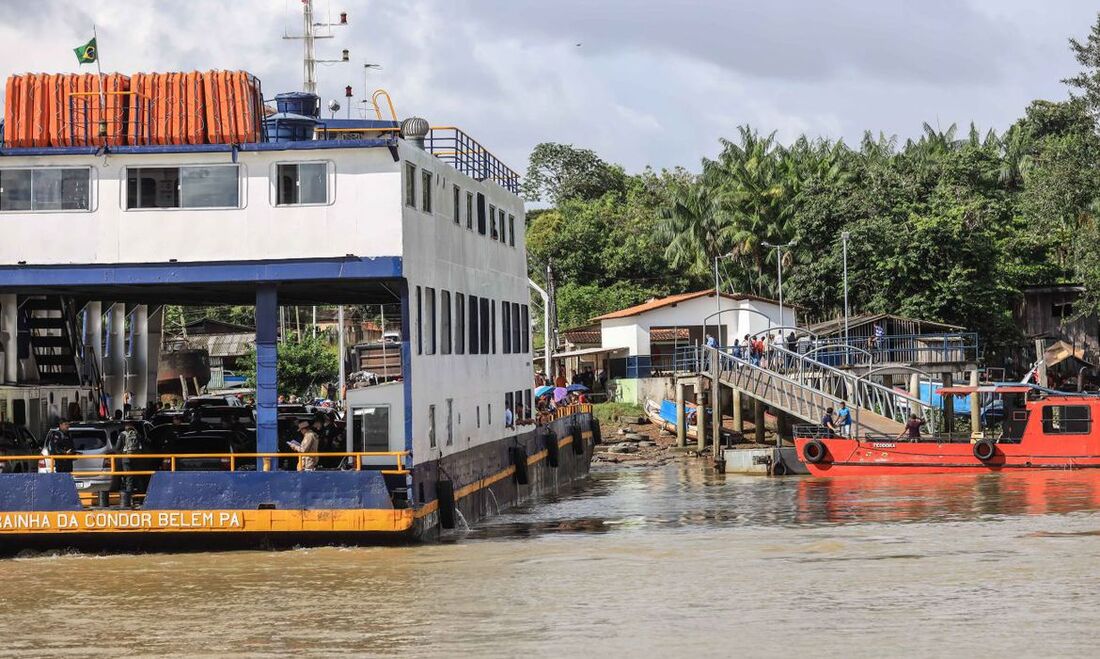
(223,345)
(682,297)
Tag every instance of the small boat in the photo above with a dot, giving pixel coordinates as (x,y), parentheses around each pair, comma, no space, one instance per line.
(664,416)
(1039,429)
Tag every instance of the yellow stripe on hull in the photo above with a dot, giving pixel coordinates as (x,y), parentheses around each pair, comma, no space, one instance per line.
(204,521)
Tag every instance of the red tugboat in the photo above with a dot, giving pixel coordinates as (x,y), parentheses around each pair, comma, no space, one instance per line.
(1040,429)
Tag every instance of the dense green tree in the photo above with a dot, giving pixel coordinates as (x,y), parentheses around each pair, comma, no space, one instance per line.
(560,172)
(303,365)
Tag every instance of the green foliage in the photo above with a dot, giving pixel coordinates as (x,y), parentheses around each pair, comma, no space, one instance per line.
(558,172)
(612,412)
(303,366)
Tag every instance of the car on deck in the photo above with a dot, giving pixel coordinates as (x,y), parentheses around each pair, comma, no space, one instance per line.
(16,440)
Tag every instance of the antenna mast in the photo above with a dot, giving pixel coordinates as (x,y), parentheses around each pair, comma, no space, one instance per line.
(309,36)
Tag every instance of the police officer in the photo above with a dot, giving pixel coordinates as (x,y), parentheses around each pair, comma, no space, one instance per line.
(131,442)
(60,442)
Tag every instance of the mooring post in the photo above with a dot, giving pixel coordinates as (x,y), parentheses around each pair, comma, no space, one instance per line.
(738,419)
(975,401)
(758,421)
(948,405)
(681,416)
(700,414)
(715,405)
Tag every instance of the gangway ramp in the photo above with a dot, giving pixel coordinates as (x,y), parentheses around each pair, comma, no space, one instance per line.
(806,388)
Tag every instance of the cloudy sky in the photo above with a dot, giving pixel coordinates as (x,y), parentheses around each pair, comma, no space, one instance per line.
(640,81)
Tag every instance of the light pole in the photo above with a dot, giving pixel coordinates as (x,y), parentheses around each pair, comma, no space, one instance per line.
(717,291)
(844,236)
(779,266)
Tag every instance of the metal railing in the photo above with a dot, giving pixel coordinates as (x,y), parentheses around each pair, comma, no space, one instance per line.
(464,153)
(172,460)
(894,348)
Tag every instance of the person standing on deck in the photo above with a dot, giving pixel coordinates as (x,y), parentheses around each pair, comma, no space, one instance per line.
(829,422)
(560,382)
(844,420)
(912,428)
(792,346)
(309,444)
(60,442)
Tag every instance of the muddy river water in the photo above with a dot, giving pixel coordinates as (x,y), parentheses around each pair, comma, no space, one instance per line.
(676,561)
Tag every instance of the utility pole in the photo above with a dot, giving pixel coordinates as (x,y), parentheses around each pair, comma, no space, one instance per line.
(844,237)
(553,293)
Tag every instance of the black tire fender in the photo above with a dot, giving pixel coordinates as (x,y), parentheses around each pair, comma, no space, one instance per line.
(445,496)
(578,440)
(985,450)
(553,450)
(814,451)
(519,461)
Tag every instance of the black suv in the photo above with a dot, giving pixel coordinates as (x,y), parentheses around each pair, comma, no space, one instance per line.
(17,440)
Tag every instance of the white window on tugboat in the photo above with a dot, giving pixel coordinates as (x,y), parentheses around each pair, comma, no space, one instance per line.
(45,189)
(301,184)
(192,186)
(1066,419)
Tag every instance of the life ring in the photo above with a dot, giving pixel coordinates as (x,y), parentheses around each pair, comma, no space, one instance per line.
(519,461)
(814,451)
(985,449)
(445,496)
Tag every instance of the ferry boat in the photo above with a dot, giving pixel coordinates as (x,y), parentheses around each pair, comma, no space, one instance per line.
(1040,429)
(112,213)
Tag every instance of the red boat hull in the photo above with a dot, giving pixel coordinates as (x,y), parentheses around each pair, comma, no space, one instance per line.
(868,457)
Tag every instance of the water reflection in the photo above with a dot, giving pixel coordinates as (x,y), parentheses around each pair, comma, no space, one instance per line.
(684,495)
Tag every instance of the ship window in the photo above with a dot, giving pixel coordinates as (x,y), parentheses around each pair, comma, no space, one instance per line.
(458,203)
(426,191)
(493,326)
(492,221)
(460,323)
(431,426)
(503,229)
(429,319)
(1066,419)
(481,213)
(525,326)
(517,334)
(420,322)
(508,398)
(470,210)
(506,328)
(410,185)
(478,416)
(213,186)
(301,183)
(486,348)
(527,404)
(475,327)
(450,421)
(53,189)
(511,230)
(444,322)
(489,414)
(370,429)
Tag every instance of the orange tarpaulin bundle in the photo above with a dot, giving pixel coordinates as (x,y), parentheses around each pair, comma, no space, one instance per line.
(65,109)
(212,107)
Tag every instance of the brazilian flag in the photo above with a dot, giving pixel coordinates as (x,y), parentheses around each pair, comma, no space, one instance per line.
(88,53)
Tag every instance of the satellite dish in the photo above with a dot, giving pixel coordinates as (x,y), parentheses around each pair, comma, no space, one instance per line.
(334,105)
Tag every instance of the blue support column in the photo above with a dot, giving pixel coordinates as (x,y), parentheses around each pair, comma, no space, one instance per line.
(267,326)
